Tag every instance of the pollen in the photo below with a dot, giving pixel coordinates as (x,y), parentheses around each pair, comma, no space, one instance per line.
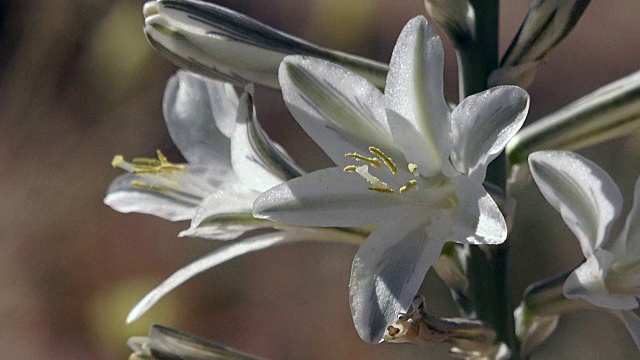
(349,168)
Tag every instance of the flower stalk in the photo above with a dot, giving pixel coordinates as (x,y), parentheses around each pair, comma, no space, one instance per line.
(489,283)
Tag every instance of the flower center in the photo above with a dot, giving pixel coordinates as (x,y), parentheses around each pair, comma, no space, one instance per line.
(380,158)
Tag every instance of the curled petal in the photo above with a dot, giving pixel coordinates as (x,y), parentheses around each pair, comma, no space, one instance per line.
(587,283)
(482,125)
(196,109)
(628,244)
(125,198)
(478,220)
(225,214)
(256,159)
(584,194)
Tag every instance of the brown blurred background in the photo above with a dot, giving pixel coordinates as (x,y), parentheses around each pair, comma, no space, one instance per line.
(78,84)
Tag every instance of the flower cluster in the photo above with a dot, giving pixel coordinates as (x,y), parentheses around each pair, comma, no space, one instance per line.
(410,176)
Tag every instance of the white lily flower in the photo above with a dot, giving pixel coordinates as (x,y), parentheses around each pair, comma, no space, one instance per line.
(406,165)
(230,162)
(590,202)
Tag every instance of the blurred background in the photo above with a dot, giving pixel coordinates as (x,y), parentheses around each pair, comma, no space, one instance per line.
(79,83)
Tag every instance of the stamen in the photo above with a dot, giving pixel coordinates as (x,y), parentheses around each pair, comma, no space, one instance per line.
(382,190)
(413,168)
(143,186)
(371,161)
(349,168)
(385,159)
(378,185)
(408,186)
(141,165)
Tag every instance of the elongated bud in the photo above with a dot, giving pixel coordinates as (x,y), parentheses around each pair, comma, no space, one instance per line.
(532,330)
(609,112)
(546,24)
(231,47)
(456,17)
(167,343)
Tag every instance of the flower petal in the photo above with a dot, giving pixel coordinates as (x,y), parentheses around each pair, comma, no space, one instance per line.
(587,283)
(226,213)
(628,243)
(340,110)
(123,197)
(329,197)
(632,323)
(256,160)
(231,251)
(478,220)
(584,194)
(482,124)
(415,91)
(387,272)
(195,110)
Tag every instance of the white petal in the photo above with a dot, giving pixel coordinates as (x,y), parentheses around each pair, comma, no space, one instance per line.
(227,253)
(195,109)
(329,197)
(387,272)
(632,323)
(125,198)
(628,243)
(226,213)
(584,194)
(255,158)
(478,219)
(415,91)
(587,283)
(340,110)
(482,125)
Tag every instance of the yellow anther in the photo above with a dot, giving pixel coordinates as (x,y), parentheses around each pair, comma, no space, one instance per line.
(371,161)
(350,168)
(413,168)
(141,185)
(117,160)
(408,186)
(382,190)
(146,161)
(385,159)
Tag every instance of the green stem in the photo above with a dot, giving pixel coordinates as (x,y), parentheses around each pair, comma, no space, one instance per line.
(488,267)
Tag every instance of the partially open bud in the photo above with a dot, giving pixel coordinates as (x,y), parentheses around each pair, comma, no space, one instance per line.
(546,24)
(231,47)
(456,17)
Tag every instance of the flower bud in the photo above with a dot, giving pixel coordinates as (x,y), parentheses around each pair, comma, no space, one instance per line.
(546,24)
(607,113)
(456,17)
(231,47)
